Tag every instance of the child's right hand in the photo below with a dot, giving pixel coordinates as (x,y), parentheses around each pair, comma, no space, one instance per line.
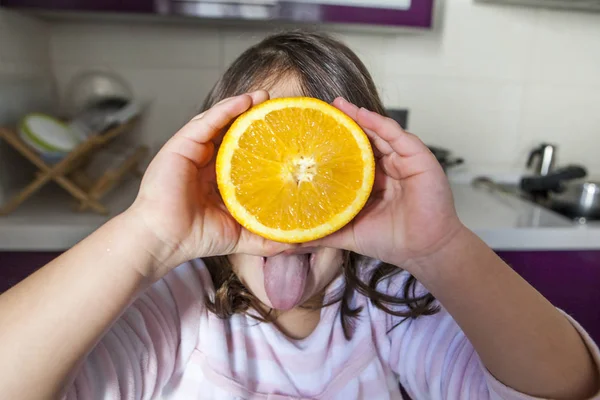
(179,204)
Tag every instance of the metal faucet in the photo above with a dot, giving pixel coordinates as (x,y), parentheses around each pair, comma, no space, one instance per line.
(544,157)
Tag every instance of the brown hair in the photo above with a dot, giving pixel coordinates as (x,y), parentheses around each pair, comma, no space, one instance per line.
(323,68)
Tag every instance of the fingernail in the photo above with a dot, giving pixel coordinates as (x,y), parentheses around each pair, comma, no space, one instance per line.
(238,96)
(199,116)
(369,111)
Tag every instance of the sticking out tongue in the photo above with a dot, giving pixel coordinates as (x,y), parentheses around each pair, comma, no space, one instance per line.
(285,278)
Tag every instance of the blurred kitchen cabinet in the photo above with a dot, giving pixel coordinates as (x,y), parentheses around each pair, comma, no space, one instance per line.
(569,279)
(133,6)
(393,13)
(412,14)
(16,266)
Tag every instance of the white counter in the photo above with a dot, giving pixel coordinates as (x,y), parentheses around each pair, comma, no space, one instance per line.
(506,222)
(48,220)
(48,223)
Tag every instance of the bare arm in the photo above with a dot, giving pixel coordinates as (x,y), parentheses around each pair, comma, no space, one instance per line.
(521,338)
(52,319)
(411,222)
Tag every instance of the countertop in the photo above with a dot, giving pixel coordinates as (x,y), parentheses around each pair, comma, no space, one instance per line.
(47,222)
(506,222)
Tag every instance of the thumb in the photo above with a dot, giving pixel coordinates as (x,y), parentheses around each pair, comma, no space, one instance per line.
(250,243)
(342,239)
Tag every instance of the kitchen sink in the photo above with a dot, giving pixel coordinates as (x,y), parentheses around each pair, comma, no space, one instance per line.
(512,188)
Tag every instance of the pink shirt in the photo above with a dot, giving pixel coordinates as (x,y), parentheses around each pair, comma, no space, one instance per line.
(167,345)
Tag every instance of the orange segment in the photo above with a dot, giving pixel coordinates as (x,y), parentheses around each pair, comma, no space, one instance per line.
(295,169)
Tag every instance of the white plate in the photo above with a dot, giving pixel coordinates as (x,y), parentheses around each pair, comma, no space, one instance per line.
(47,134)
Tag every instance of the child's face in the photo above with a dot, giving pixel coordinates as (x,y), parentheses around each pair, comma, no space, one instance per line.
(288,280)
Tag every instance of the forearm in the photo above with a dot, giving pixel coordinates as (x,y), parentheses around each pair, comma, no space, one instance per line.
(521,338)
(52,319)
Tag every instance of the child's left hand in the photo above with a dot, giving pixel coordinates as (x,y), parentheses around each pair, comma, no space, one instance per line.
(411,212)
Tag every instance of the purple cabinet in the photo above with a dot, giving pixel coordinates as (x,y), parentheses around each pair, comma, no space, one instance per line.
(569,279)
(16,266)
(391,13)
(134,6)
(419,14)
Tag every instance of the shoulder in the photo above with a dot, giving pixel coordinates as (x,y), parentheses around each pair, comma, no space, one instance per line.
(397,297)
(394,281)
(191,276)
(182,292)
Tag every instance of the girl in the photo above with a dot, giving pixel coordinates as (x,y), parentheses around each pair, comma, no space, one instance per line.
(113,318)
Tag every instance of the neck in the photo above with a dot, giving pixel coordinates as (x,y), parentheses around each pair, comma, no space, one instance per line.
(298,323)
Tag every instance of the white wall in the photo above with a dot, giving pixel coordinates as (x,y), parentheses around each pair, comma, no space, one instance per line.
(24,46)
(170,67)
(26,84)
(490,84)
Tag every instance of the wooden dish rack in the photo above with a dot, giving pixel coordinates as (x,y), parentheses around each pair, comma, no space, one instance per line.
(69,172)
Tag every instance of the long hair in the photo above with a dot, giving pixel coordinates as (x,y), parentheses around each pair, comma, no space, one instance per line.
(325,69)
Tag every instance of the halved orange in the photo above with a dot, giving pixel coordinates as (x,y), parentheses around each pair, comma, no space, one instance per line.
(294,169)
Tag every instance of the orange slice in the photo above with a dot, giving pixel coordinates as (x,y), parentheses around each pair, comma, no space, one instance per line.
(295,169)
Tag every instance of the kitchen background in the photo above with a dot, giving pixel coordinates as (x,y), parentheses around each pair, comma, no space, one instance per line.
(489,82)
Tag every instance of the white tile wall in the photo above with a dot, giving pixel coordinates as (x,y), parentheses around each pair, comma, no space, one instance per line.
(24,45)
(566,49)
(469,116)
(490,83)
(474,41)
(235,41)
(565,114)
(26,84)
(169,68)
(136,45)
(171,96)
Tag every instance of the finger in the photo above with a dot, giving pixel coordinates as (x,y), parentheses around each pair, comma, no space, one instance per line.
(381,179)
(400,168)
(207,152)
(202,128)
(201,115)
(205,126)
(403,143)
(208,183)
(380,186)
(378,128)
(258,97)
(250,243)
(199,154)
(346,107)
(342,239)
(193,141)
(380,146)
(406,155)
